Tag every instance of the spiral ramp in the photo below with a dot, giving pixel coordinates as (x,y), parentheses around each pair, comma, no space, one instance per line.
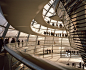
(28,17)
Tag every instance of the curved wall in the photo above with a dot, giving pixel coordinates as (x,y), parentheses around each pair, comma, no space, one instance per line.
(76,25)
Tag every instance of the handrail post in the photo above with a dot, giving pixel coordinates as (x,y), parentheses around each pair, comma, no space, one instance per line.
(61,48)
(43,47)
(35,45)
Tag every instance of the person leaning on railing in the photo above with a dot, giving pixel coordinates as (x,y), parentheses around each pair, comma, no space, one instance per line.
(13,40)
(6,41)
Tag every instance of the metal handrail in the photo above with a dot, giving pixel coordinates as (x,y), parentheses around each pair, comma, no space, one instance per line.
(22,59)
(31,65)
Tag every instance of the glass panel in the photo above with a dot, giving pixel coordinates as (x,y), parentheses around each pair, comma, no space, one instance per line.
(11,27)
(51,10)
(51,1)
(47,19)
(44,11)
(46,7)
(36,25)
(2,20)
(1,30)
(23,34)
(42,27)
(12,33)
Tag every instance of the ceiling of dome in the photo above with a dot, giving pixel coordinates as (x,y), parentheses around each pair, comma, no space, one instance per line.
(19,13)
(40,20)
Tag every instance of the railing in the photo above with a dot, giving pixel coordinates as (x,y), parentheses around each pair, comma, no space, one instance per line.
(10,48)
(14,49)
(49,32)
(42,47)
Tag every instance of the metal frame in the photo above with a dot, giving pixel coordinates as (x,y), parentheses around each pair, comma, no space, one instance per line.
(17,36)
(6,29)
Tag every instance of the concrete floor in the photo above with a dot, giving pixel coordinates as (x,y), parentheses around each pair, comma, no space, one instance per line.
(56,58)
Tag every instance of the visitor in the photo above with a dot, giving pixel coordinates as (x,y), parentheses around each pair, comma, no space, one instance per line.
(60,25)
(56,34)
(67,64)
(22,43)
(38,42)
(48,22)
(6,41)
(77,52)
(74,52)
(18,42)
(13,40)
(49,33)
(52,24)
(80,65)
(62,34)
(44,32)
(83,66)
(73,64)
(57,25)
(65,35)
(47,51)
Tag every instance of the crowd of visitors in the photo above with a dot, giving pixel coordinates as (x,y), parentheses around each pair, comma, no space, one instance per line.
(18,41)
(60,25)
(80,65)
(48,51)
(72,52)
(6,41)
(56,24)
(55,34)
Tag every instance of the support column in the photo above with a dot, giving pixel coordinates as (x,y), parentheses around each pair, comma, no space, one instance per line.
(53,41)
(61,48)
(44,46)
(17,36)
(6,29)
(28,37)
(39,28)
(35,45)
